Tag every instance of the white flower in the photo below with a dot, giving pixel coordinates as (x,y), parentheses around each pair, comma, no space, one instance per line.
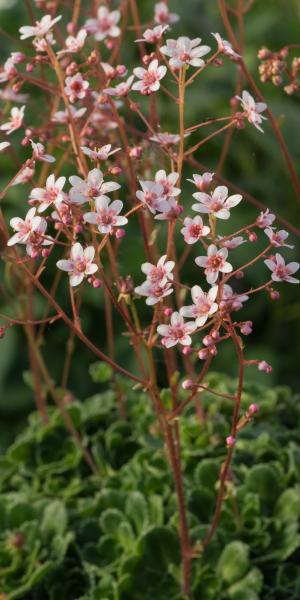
(29,231)
(226,47)
(149,78)
(162,14)
(80,264)
(153,196)
(177,332)
(62,116)
(16,120)
(76,87)
(252,109)
(154,292)
(217,204)
(185,51)
(277,238)
(194,229)
(40,29)
(231,301)
(92,187)
(203,306)
(51,194)
(122,89)
(168,182)
(106,216)
(99,153)
(232,242)
(160,273)
(74,44)
(214,263)
(265,219)
(39,152)
(41,43)
(24,176)
(4,145)
(9,71)
(202,182)
(152,36)
(281,271)
(105,25)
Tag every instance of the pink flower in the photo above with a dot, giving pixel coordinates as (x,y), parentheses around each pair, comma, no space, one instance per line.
(277,238)
(99,153)
(281,271)
(16,120)
(51,194)
(74,43)
(202,182)
(122,89)
(152,36)
(265,219)
(92,187)
(231,301)
(177,332)
(153,196)
(162,14)
(218,203)
(252,109)
(75,87)
(29,231)
(264,366)
(149,78)
(62,116)
(214,263)
(203,306)
(24,176)
(166,139)
(105,25)
(185,51)
(230,441)
(169,210)
(160,273)
(194,229)
(9,71)
(80,264)
(232,242)
(168,182)
(226,47)
(106,216)
(153,291)
(40,29)
(39,152)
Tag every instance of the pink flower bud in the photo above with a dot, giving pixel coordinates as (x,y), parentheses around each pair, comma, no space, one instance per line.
(25,141)
(186,350)
(186,384)
(239,275)
(253,408)
(120,233)
(234,102)
(264,366)
(274,295)
(2,332)
(34,254)
(97,283)
(29,67)
(45,252)
(215,335)
(207,340)
(252,236)
(246,328)
(19,57)
(230,441)
(115,170)
(121,70)
(168,312)
(135,152)
(203,353)
(78,228)
(71,28)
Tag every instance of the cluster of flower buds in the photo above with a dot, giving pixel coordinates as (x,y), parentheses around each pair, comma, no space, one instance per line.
(274,67)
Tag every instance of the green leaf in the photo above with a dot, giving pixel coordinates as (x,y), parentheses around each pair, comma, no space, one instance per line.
(266,481)
(137,511)
(288,505)
(110,521)
(252,583)
(234,561)
(54,519)
(100,372)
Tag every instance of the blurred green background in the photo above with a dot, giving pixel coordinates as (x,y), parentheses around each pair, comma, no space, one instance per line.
(254,163)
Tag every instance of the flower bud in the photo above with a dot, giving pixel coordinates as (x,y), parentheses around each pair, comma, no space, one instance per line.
(135,152)
(186,350)
(120,233)
(186,384)
(121,70)
(230,441)
(253,408)
(246,328)
(97,283)
(29,67)
(115,170)
(71,28)
(274,294)
(264,366)
(239,275)
(252,236)
(203,353)
(2,332)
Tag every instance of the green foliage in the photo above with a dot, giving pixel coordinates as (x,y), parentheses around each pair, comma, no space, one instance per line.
(68,535)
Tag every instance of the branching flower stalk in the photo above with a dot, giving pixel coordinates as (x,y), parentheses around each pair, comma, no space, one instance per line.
(101,172)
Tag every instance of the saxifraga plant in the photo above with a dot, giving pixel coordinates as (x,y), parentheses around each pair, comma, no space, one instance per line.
(93,126)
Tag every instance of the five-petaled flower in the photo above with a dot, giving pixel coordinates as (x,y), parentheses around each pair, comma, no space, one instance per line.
(16,120)
(217,204)
(214,263)
(51,194)
(29,231)
(226,48)
(178,331)
(122,89)
(168,182)
(76,87)
(149,78)
(40,28)
(80,264)
(185,51)
(99,153)
(152,36)
(194,229)
(203,306)
(281,271)
(252,109)
(107,215)
(105,25)
(277,238)
(154,292)
(202,182)
(162,14)
(160,273)
(152,194)
(74,43)
(91,187)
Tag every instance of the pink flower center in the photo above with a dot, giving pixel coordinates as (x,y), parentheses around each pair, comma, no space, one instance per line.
(107,217)
(215,262)
(80,265)
(185,56)
(105,24)
(157,274)
(150,78)
(196,230)
(177,333)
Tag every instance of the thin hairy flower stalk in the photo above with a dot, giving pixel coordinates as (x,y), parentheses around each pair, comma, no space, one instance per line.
(209,137)
(74,309)
(47,87)
(249,263)
(258,289)
(38,391)
(276,129)
(178,410)
(248,197)
(70,347)
(208,122)
(226,466)
(109,324)
(60,404)
(198,71)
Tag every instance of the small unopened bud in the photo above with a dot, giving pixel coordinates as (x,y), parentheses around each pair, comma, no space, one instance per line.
(239,275)
(168,312)
(97,283)
(186,384)
(252,236)
(45,252)
(253,408)
(203,353)
(29,67)
(120,233)
(186,350)
(274,294)
(2,332)
(34,254)
(234,102)
(78,228)
(115,170)
(135,152)
(246,328)
(147,58)
(71,28)
(25,141)
(121,70)
(19,57)
(215,335)
(230,441)
(264,366)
